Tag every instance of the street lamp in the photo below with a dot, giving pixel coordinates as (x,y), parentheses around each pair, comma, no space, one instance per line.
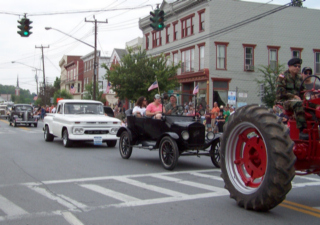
(34,68)
(95,58)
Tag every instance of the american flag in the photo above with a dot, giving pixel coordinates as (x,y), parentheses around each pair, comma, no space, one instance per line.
(196,89)
(35,97)
(72,89)
(153,86)
(108,87)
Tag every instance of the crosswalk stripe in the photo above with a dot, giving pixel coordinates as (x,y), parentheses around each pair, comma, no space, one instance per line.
(150,187)
(10,208)
(207,176)
(61,199)
(110,193)
(192,184)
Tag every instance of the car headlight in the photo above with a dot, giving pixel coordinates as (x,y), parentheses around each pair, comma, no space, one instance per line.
(78,130)
(185,135)
(308,95)
(210,135)
(114,130)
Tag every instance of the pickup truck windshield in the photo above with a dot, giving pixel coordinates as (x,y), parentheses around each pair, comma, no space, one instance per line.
(83,108)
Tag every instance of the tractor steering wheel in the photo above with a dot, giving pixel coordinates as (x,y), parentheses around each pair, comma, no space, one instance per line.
(300,89)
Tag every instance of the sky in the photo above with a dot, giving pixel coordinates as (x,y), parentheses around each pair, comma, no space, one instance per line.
(69,16)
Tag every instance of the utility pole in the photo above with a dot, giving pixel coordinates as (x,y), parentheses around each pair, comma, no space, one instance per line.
(44,77)
(95,53)
(36,78)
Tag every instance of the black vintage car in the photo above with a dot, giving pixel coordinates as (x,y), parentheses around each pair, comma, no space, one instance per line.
(174,136)
(22,114)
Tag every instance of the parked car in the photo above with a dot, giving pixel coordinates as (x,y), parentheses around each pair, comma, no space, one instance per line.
(108,110)
(81,120)
(3,113)
(22,114)
(174,136)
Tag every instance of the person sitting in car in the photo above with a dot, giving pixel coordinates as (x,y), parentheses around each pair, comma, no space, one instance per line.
(140,108)
(171,107)
(155,108)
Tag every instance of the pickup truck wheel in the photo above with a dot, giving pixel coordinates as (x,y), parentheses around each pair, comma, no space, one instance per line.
(168,153)
(215,153)
(47,136)
(112,143)
(124,145)
(65,139)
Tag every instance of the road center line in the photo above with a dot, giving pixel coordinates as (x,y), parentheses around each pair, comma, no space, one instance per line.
(301,208)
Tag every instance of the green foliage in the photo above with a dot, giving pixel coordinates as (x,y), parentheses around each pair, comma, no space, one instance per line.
(89,92)
(297,3)
(61,94)
(25,95)
(56,83)
(268,78)
(137,71)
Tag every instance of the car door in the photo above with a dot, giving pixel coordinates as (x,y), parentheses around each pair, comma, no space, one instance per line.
(57,120)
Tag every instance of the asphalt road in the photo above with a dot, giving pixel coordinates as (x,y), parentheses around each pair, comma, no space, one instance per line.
(45,183)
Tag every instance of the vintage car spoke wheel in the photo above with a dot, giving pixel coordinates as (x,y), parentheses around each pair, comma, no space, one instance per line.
(47,136)
(215,153)
(65,139)
(112,143)
(257,161)
(124,145)
(168,153)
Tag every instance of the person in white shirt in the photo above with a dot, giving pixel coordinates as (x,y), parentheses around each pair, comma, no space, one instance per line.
(53,110)
(140,108)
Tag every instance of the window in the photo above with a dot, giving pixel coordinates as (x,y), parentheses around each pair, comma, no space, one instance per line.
(201,56)
(147,41)
(248,57)
(168,59)
(74,73)
(156,39)
(316,61)
(186,26)
(296,52)
(175,30)
(221,48)
(273,57)
(79,88)
(85,67)
(201,20)
(187,60)
(175,57)
(167,34)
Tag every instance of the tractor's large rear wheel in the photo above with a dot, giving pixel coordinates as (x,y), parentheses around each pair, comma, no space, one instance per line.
(257,161)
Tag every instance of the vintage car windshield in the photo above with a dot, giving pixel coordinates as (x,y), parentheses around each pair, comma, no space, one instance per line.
(22,108)
(83,108)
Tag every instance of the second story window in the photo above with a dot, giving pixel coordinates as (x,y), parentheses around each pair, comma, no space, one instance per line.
(156,39)
(201,19)
(175,57)
(248,57)
(175,31)
(147,41)
(186,26)
(201,57)
(167,34)
(221,52)
(187,60)
(273,56)
(296,52)
(316,61)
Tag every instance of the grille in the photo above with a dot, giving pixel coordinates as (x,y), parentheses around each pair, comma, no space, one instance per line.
(96,132)
(197,134)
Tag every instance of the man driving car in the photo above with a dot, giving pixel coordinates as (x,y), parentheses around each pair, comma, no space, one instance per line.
(171,108)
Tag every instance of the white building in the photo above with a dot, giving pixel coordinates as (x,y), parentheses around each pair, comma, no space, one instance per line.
(223,43)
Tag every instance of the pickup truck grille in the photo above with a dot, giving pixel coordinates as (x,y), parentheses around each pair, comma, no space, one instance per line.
(96,132)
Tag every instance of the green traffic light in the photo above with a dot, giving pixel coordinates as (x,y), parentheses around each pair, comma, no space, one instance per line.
(25,33)
(160,26)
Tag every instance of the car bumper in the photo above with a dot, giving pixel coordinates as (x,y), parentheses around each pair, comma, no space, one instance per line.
(91,137)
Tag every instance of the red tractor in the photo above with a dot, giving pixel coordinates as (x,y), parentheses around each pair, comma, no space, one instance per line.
(260,155)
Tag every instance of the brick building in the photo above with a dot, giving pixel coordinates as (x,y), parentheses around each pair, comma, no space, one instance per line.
(222,44)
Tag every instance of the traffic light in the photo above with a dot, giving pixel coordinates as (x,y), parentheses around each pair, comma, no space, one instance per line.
(24,27)
(157,19)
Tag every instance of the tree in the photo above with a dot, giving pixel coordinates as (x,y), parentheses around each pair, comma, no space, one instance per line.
(133,76)
(89,92)
(62,94)
(56,83)
(297,3)
(268,80)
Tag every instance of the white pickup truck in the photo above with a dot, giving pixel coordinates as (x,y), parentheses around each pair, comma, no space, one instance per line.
(81,120)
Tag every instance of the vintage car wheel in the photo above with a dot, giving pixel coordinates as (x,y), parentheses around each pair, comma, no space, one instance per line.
(14,123)
(47,136)
(124,145)
(111,143)
(215,153)
(168,153)
(65,139)
(35,125)
(257,161)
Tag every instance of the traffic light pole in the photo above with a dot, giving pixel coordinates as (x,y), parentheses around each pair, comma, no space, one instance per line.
(44,77)
(95,55)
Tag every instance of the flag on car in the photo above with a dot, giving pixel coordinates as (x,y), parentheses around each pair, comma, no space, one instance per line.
(153,86)
(196,89)
(108,87)
(35,97)
(72,90)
